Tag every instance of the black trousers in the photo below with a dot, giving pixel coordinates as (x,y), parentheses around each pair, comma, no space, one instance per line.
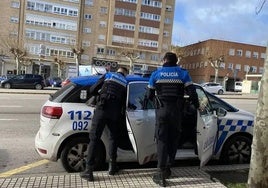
(99,121)
(167,132)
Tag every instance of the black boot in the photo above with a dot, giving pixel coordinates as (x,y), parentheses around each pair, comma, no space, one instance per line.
(159,178)
(113,168)
(87,174)
(167,173)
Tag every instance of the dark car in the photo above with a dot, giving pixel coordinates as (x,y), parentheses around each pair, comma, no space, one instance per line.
(26,81)
(54,82)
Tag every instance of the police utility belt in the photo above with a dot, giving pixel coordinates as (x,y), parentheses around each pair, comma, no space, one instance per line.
(160,100)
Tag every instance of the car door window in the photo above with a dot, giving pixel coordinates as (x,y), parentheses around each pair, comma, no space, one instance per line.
(204,102)
(136,96)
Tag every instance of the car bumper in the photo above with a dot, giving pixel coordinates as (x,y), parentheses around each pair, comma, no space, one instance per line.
(46,147)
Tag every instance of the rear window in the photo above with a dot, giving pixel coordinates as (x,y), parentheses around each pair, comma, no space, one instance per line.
(69,94)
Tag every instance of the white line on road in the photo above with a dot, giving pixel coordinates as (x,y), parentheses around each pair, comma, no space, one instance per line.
(8,119)
(10,106)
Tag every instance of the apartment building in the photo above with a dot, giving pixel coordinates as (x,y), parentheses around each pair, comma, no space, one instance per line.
(235,61)
(62,34)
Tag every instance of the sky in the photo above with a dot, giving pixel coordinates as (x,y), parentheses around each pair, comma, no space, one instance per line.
(230,20)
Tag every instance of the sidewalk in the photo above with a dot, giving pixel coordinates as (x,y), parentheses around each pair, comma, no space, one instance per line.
(181,177)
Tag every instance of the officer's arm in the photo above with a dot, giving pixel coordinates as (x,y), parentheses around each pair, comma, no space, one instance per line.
(150,94)
(191,91)
(94,89)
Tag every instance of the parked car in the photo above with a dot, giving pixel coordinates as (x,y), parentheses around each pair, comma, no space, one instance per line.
(220,130)
(215,88)
(238,87)
(26,81)
(54,82)
(4,77)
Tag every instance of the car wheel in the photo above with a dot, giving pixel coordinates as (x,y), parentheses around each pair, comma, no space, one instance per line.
(74,155)
(38,86)
(220,92)
(7,86)
(237,150)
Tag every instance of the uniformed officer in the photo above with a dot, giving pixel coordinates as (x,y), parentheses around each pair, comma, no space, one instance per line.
(111,93)
(167,86)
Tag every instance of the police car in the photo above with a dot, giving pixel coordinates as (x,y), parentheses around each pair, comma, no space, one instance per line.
(220,130)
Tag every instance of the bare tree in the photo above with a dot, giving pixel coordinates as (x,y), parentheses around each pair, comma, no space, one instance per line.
(131,55)
(61,65)
(181,52)
(258,172)
(11,44)
(78,53)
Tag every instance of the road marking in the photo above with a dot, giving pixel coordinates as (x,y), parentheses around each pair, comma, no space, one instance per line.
(10,106)
(8,119)
(23,168)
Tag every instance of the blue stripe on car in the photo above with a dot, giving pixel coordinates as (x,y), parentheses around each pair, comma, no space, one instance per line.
(227,126)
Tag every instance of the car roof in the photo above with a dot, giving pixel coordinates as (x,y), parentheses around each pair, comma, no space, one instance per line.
(90,80)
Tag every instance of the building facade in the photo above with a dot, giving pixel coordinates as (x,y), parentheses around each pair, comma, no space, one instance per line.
(234,61)
(62,34)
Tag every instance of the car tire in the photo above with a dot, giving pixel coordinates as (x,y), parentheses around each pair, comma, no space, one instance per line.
(74,155)
(220,92)
(236,150)
(7,85)
(38,86)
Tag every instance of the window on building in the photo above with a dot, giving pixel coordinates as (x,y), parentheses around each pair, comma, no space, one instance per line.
(169,8)
(85,43)
(100,50)
(205,64)
(14,19)
(125,12)
(168,21)
(103,24)
(142,55)
(231,52)
(154,57)
(201,65)
(89,2)
(87,30)
(103,10)
(111,52)
(248,54)
(263,55)
(246,68)
(88,16)
(15,4)
(231,66)
(238,67)
(101,37)
(239,53)
(222,65)
(255,55)
(261,70)
(253,69)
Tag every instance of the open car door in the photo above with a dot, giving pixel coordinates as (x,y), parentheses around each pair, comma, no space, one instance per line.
(140,120)
(206,128)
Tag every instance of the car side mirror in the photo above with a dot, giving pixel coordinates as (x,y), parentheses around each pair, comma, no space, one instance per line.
(220,112)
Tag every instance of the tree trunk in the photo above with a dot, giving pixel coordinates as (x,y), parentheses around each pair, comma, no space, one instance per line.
(258,172)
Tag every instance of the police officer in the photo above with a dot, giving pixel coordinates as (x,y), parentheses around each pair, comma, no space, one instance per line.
(166,87)
(111,101)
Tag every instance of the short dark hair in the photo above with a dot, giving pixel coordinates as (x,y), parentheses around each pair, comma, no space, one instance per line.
(122,70)
(170,58)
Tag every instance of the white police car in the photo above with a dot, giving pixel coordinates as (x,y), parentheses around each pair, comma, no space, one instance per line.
(221,130)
